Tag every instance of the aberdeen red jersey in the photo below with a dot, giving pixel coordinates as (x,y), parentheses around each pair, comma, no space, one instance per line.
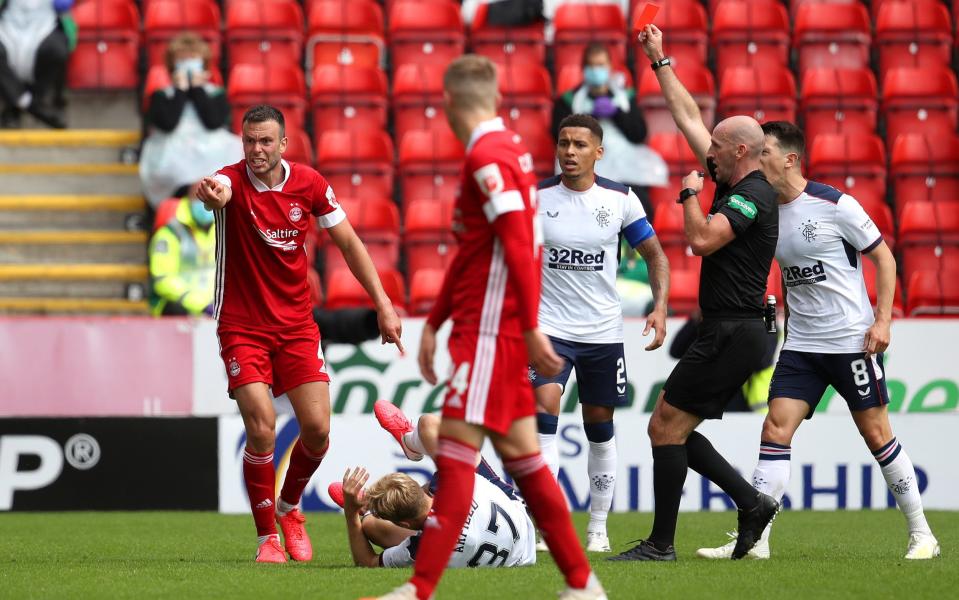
(261,263)
(492,285)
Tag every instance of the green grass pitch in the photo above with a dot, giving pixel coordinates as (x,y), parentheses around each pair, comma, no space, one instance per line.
(205,555)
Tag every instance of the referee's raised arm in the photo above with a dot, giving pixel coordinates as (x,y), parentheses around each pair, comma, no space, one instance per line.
(681,104)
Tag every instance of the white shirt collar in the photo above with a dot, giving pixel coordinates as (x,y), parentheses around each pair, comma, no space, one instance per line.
(495,124)
(261,187)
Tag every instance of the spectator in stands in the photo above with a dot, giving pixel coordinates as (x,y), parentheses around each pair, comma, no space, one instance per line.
(186,121)
(627,159)
(183,262)
(36,38)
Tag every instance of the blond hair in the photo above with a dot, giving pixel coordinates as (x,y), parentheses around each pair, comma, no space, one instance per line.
(470,80)
(187,42)
(396,497)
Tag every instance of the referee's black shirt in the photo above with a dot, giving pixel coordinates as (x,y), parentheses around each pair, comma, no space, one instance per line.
(733,279)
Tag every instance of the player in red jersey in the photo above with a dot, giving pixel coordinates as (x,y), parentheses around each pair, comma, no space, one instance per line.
(491,291)
(268,338)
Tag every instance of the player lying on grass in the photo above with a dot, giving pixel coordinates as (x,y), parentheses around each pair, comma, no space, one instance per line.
(393,511)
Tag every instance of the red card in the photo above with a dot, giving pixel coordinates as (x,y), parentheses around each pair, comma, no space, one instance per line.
(645,17)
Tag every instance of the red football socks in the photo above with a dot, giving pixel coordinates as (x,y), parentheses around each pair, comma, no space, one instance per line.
(456,464)
(548,506)
(303,463)
(260,486)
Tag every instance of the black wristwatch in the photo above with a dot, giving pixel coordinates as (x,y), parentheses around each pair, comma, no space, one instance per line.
(661,63)
(685,194)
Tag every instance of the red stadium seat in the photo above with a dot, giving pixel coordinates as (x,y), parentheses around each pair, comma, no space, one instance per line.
(929,231)
(838,101)
(853,163)
(832,35)
(280,86)
(348,97)
(925,168)
(425,35)
(668,223)
(869,277)
(933,294)
(541,146)
(158,77)
(683,291)
(429,164)
(507,44)
(679,157)
(345,32)
(268,33)
(429,241)
(685,33)
(579,25)
(697,79)
(166,19)
(358,164)
(165,212)
(418,99)
(377,222)
(750,33)
(917,33)
(767,94)
(298,147)
(774,283)
(107,46)
(425,286)
(344,291)
(527,95)
(919,100)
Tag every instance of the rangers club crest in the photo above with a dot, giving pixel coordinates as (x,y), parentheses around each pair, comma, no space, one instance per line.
(234,367)
(296,213)
(808,230)
(602,216)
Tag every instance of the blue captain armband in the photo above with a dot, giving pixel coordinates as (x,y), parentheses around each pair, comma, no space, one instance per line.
(638,232)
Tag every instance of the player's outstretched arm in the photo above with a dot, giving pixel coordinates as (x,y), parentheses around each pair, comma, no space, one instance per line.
(681,104)
(213,193)
(361,265)
(658,265)
(878,336)
(360,548)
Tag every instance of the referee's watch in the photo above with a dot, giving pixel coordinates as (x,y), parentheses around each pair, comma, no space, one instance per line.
(685,194)
(660,63)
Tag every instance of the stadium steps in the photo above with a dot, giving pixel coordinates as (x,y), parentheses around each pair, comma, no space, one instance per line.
(72,223)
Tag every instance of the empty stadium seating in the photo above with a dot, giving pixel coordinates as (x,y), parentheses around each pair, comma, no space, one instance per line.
(425,285)
(344,291)
(345,32)
(919,100)
(683,291)
(925,168)
(579,25)
(268,33)
(527,96)
(280,85)
(429,242)
(750,33)
(854,163)
(108,45)
(429,164)
(832,35)
(929,236)
(421,34)
(507,45)
(418,99)
(357,163)
(913,33)
(165,19)
(685,33)
(348,97)
(838,101)
(377,222)
(933,294)
(765,93)
(649,97)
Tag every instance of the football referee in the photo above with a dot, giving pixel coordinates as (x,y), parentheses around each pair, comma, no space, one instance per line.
(737,241)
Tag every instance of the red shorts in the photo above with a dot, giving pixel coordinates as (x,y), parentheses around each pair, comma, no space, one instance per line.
(281,359)
(490,382)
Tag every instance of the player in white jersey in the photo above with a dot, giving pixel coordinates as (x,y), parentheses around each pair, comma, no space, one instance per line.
(833,337)
(392,512)
(583,216)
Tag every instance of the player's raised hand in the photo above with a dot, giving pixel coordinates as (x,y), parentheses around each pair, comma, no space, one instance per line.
(651,39)
(212,193)
(694,180)
(391,327)
(353,482)
(656,321)
(541,354)
(877,338)
(426,354)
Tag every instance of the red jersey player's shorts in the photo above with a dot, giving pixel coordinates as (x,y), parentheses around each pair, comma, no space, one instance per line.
(282,359)
(490,383)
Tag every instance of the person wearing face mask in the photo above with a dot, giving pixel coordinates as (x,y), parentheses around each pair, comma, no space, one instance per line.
(627,159)
(182,262)
(36,38)
(737,240)
(185,122)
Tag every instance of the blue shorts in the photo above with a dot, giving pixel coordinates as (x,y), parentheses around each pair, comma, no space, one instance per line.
(858,378)
(600,371)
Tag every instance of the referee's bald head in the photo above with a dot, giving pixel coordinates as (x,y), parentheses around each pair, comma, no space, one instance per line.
(744,130)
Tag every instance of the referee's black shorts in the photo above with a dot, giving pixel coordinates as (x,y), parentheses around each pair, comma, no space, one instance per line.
(717,364)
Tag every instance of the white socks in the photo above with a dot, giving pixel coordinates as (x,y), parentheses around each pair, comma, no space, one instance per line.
(602,481)
(283,507)
(550,451)
(413,442)
(900,476)
(772,471)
